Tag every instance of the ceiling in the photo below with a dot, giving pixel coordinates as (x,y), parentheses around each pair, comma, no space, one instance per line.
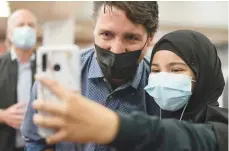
(52,10)
(82,10)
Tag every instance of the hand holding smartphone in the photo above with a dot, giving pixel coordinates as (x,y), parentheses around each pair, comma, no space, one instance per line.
(59,63)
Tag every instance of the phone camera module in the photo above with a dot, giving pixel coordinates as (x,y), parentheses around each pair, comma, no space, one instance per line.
(57,67)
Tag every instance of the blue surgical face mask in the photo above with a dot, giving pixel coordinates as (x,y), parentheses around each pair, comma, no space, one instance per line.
(24,37)
(170,91)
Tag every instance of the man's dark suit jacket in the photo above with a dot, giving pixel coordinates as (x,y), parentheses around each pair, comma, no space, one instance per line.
(8,97)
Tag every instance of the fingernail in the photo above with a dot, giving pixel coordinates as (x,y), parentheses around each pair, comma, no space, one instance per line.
(37,77)
(35,104)
(36,118)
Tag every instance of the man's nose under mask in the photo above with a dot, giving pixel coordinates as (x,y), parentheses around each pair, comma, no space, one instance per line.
(121,66)
(24,37)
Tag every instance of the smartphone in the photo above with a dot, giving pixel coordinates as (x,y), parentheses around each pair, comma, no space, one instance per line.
(59,63)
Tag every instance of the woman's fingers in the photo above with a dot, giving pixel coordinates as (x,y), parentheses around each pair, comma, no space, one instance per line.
(50,107)
(54,87)
(49,121)
(57,137)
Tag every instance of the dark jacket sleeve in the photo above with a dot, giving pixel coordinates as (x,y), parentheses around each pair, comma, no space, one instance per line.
(218,117)
(140,132)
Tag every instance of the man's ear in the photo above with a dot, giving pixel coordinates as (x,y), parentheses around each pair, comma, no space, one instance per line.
(150,39)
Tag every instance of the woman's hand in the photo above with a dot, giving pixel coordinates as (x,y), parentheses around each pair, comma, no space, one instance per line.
(76,118)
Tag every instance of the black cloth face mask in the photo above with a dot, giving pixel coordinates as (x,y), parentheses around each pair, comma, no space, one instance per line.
(121,66)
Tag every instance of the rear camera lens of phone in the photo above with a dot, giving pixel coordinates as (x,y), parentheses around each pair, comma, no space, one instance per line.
(57,67)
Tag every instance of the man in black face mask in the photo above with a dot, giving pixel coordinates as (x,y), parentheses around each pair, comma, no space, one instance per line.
(120,49)
(114,72)
(118,68)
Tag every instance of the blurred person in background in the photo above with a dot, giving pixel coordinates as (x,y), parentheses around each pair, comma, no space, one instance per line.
(114,72)
(185,83)
(17,68)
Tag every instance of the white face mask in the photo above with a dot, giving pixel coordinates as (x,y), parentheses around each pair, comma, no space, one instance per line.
(24,37)
(170,91)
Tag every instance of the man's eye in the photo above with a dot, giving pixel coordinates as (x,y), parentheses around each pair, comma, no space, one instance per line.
(20,24)
(132,38)
(106,34)
(31,25)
